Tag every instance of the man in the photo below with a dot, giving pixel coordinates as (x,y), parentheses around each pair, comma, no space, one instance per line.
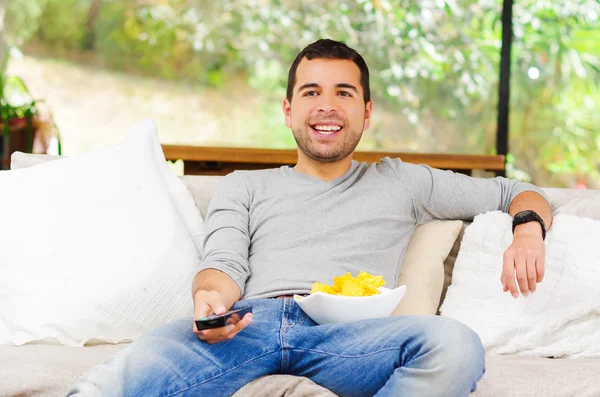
(273,233)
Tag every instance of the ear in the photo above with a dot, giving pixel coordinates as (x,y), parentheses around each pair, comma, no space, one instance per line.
(368,111)
(287,112)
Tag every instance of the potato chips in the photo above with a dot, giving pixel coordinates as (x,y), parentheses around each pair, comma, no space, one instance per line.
(364,284)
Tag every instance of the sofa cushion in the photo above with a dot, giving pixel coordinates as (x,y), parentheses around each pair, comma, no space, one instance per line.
(518,376)
(423,268)
(82,274)
(564,200)
(588,207)
(48,371)
(449,263)
(283,386)
(202,188)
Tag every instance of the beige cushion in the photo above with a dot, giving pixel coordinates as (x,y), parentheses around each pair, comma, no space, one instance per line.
(48,371)
(202,188)
(283,386)
(449,262)
(518,376)
(423,268)
(588,207)
(560,197)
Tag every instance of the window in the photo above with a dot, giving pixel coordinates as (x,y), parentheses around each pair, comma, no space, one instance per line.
(213,73)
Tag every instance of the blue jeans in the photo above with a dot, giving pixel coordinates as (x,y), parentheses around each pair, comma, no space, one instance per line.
(395,356)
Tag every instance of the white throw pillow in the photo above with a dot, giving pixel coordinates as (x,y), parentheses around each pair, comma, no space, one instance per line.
(562,318)
(94,247)
(180,194)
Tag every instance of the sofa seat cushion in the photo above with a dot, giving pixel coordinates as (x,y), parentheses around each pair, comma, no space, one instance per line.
(47,370)
(520,376)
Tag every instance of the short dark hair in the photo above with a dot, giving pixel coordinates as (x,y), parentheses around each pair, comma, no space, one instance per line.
(330,49)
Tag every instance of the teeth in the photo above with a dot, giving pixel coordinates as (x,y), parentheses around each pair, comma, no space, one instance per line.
(327,128)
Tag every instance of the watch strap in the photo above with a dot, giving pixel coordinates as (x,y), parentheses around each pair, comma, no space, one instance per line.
(526,217)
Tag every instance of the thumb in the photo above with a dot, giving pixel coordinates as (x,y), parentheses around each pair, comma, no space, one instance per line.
(207,303)
(215,303)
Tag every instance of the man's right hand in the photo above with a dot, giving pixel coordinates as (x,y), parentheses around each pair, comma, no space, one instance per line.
(207,303)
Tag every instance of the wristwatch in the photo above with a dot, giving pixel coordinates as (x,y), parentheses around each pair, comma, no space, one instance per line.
(528,216)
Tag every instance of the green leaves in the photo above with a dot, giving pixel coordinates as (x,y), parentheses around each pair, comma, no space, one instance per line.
(434,63)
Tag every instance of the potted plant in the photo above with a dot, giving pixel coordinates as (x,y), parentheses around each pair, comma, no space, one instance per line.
(22,126)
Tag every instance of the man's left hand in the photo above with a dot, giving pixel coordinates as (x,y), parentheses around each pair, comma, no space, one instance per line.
(526,258)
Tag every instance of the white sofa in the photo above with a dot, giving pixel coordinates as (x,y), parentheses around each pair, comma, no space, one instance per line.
(47,370)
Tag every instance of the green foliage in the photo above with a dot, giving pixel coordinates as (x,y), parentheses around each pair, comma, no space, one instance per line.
(434,63)
(67,28)
(555,117)
(22,18)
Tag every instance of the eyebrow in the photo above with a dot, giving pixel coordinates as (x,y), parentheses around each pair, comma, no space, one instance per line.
(340,85)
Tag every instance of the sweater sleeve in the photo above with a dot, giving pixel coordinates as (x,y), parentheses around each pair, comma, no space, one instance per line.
(227,238)
(441,194)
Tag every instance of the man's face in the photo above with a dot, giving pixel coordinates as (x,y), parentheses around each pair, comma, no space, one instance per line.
(327,113)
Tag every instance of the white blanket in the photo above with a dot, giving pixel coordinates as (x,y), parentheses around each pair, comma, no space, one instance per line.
(562,318)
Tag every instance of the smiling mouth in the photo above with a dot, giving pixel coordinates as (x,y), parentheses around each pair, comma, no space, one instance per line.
(326,129)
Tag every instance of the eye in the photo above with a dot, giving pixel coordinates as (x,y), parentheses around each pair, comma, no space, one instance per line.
(310,93)
(345,93)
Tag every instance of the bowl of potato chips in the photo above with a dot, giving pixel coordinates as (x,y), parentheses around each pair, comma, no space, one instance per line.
(350,299)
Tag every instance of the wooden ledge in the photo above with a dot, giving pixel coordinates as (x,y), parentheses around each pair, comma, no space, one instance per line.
(221,160)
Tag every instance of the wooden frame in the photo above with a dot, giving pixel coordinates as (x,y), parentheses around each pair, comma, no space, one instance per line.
(200,160)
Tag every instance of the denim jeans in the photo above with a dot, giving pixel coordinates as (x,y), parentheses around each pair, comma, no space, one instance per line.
(395,356)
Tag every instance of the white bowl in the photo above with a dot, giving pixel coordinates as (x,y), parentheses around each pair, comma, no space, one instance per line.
(329,309)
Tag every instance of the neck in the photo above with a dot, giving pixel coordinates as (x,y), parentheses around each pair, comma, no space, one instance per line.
(323,171)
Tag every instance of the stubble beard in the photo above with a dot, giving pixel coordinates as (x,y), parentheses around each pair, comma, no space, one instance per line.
(337,153)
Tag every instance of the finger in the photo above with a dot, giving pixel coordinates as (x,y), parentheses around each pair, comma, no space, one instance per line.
(502,281)
(531,274)
(508,274)
(207,303)
(215,333)
(220,333)
(234,319)
(216,304)
(240,325)
(210,340)
(521,273)
(225,333)
(203,304)
(201,308)
(541,267)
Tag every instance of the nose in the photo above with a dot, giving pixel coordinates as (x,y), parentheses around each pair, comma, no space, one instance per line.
(326,104)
